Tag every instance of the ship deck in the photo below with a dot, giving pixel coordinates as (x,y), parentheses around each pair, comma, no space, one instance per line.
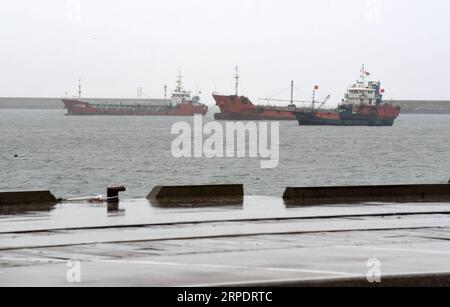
(264,242)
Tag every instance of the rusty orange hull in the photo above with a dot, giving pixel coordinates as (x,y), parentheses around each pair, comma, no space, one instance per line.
(241,108)
(79,107)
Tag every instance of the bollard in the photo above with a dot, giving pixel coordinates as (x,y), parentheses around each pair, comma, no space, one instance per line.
(112,193)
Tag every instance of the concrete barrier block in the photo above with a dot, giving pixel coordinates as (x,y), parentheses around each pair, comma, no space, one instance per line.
(198,194)
(360,194)
(26,197)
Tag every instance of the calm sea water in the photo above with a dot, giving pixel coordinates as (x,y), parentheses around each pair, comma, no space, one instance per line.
(81,156)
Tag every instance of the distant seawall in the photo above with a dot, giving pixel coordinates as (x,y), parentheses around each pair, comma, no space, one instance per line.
(424,106)
(30,103)
(56,103)
(408,106)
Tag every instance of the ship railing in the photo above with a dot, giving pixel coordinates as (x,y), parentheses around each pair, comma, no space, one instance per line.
(283,108)
(128,105)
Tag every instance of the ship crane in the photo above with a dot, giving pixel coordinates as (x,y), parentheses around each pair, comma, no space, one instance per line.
(313,103)
(324,101)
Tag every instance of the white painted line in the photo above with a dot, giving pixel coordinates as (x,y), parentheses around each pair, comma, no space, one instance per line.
(389,249)
(218,266)
(310,271)
(420,251)
(260,282)
(139,262)
(211,266)
(230,267)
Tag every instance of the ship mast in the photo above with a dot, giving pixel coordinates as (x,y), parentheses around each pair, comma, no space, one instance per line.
(314,98)
(179,82)
(236,76)
(363,76)
(79,87)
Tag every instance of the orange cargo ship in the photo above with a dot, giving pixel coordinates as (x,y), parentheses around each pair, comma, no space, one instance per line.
(235,107)
(362,106)
(180,104)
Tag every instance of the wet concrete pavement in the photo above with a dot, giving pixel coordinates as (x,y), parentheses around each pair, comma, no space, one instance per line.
(261,242)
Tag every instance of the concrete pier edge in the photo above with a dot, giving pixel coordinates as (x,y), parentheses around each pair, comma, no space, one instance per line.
(401,280)
(229,247)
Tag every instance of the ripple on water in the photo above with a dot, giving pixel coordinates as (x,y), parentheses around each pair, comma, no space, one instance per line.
(75,156)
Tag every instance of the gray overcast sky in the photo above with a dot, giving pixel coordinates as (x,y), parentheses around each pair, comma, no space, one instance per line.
(118,45)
